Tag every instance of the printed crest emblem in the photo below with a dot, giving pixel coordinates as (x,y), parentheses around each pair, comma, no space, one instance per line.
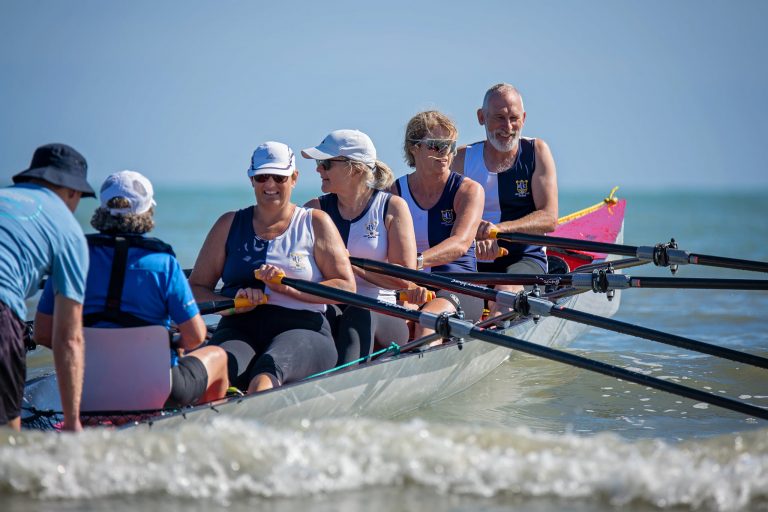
(447,216)
(299,260)
(372,229)
(522,188)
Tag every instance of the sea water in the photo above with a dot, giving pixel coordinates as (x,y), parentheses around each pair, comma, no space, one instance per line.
(533,436)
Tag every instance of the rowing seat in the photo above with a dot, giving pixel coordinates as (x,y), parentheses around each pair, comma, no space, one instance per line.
(126,369)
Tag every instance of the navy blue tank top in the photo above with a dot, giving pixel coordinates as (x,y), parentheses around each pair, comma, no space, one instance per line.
(435,225)
(508,197)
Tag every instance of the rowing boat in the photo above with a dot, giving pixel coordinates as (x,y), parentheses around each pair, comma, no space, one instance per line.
(393,384)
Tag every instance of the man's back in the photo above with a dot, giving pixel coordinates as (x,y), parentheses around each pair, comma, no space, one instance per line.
(38,236)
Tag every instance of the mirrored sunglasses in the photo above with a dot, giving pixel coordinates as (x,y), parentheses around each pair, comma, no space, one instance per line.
(439,145)
(263,178)
(326,164)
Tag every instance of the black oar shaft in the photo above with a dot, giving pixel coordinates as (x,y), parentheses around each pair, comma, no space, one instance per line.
(419,276)
(671,256)
(693,283)
(567,243)
(465,329)
(547,308)
(213,306)
(619,373)
(661,337)
(722,262)
(614,281)
(504,278)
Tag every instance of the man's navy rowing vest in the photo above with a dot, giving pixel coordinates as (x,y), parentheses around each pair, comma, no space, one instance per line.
(508,196)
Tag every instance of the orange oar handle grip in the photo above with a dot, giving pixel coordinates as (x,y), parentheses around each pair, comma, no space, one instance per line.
(277,279)
(502,252)
(403,296)
(493,233)
(242,302)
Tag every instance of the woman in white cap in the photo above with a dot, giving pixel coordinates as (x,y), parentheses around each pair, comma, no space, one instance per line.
(288,338)
(446,207)
(134,281)
(373,224)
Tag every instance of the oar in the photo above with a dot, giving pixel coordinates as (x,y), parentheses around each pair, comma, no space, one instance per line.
(528,305)
(663,255)
(602,282)
(214,306)
(447,326)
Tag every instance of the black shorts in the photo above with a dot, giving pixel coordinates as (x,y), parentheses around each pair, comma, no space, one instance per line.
(189,380)
(13,364)
(286,344)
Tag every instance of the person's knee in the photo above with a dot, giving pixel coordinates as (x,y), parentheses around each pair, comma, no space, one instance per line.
(439,305)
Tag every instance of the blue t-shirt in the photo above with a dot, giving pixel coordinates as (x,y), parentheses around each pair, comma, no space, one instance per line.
(155,288)
(39,236)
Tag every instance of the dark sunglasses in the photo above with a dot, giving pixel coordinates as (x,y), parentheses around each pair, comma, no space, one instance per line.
(326,164)
(262,178)
(438,145)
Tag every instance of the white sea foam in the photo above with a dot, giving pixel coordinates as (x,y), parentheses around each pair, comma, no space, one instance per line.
(232,459)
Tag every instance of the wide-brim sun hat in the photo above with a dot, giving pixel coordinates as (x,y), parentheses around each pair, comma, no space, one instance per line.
(272,158)
(131,185)
(351,144)
(60,165)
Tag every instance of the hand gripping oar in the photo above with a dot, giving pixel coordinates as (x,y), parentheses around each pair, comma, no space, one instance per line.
(447,326)
(528,305)
(601,281)
(214,306)
(662,255)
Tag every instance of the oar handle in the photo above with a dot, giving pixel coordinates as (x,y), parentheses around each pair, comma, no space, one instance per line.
(278,279)
(215,306)
(402,295)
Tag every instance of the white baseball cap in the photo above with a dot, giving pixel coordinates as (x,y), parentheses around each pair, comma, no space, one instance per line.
(272,158)
(131,185)
(351,144)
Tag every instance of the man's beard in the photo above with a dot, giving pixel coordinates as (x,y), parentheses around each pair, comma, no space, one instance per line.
(500,146)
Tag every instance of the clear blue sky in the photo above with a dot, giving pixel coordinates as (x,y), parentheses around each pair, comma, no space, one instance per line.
(643,94)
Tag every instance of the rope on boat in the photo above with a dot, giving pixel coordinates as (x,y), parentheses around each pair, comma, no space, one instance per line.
(393,347)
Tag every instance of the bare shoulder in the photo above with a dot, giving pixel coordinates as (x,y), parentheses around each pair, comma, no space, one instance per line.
(320,219)
(457,165)
(542,148)
(313,203)
(223,222)
(397,205)
(470,186)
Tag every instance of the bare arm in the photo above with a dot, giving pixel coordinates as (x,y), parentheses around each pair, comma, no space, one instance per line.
(313,203)
(192,333)
(544,189)
(457,165)
(468,205)
(210,261)
(401,245)
(43,329)
(69,357)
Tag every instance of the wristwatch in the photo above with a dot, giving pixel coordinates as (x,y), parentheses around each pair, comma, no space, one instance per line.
(419,261)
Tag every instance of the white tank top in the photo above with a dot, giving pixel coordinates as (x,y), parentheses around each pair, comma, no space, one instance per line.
(475,169)
(365,237)
(293,252)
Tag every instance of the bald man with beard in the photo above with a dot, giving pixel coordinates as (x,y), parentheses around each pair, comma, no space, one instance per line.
(520,181)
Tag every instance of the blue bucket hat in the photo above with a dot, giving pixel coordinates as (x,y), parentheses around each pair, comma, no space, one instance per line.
(58,164)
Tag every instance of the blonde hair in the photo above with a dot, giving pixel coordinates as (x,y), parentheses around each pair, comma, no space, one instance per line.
(131,223)
(422,125)
(380,177)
